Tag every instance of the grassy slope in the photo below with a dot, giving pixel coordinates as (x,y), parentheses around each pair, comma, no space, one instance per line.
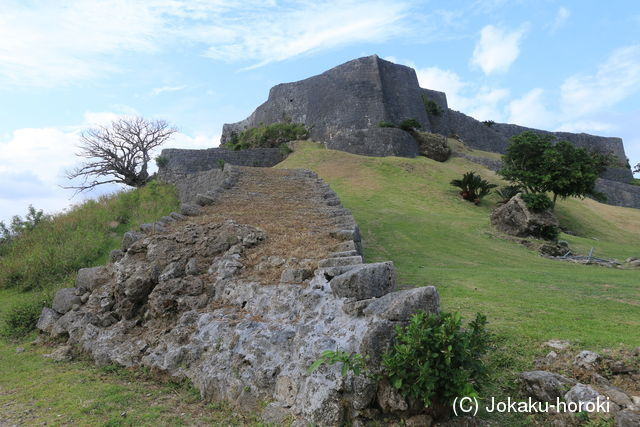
(408,213)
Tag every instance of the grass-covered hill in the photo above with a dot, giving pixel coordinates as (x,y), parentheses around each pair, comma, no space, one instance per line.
(407,212)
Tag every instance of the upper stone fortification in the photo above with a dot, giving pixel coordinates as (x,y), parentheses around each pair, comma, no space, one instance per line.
(344,106)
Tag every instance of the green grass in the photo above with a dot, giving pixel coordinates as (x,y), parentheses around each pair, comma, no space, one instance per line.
(409,213)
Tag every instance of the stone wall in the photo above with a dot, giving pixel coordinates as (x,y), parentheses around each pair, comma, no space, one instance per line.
(188,161)
(344,105)
(619,193)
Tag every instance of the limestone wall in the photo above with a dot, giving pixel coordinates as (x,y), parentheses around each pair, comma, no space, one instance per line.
(188,161)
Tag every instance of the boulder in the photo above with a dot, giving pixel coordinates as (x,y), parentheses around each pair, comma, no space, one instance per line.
(130,237)
(90,278)
(65,299)
(47,319)
(516,219)
(432,145)
(365,281)
(586,360)
(585,394)
(627,418)
(188,209)
(401,305)
(545,386)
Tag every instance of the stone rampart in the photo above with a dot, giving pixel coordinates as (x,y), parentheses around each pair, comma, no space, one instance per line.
(188,161)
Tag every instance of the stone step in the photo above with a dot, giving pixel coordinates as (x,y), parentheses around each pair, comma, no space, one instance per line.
(340,261)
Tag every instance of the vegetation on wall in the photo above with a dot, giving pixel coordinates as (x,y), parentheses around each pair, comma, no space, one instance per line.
(431,107)
(267,136)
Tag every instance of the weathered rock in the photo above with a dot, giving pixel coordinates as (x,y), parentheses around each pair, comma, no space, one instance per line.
(152,227)
(581,394)
(558,344)
(130,237)
(419,421)
(340,261)
(390,399)
(545,386)
(47,319)
(516,219)
(61,354)
(432,145)
(65,299)
(627,418)
(190,210)
(116,255)
(401,305)
(586,360)
(90,278)
(555,249)
(617,396)
(366,281)
(295,275)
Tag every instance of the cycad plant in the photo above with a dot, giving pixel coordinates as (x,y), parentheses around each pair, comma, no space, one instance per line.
(507,192)
(473,187)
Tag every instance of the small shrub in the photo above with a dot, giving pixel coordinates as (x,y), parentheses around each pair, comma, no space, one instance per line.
(488,123)
(386,124)
(284,149)
(507,192)
(410,125)
(547,232)
(435,360)
(537,201)
(267,136)
(431,107)
(162,161)
(221,164)
(21,319)
(351,362)
(635,181)
(473,187)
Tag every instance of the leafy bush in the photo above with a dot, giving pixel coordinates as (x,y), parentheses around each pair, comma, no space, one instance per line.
(285,149)
(473,187)
(488,123)
(507,192)
(221,163)
(386,124)
(162,161)
(19,225)
(547,232)
(267,136)
(431,107)
(21,319)
(537,201)
(410,125)
(435,360)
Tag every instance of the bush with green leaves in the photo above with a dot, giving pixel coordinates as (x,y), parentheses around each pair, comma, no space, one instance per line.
(431,107)
(488,123)
(21,319)
(386,124)
(410,125)
(507,192)
(162,161)
(472,187)
(434,359)
(267,136)
(537,201)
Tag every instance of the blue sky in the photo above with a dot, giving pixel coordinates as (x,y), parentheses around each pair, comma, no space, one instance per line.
(67,65)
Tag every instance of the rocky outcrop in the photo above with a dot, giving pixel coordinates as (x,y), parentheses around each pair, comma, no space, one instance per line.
(242,297)
(516,219)
(433,146)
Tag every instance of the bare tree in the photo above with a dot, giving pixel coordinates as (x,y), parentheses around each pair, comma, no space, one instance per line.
(119,152)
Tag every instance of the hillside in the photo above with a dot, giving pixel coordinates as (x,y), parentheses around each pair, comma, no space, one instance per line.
(407,213)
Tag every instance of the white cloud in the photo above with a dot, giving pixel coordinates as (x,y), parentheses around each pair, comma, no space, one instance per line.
(530,110)
(480,102)
(586,126)
(51,42)
(33,162)
(562,16)
(497,49)
(159,90)
(617,78)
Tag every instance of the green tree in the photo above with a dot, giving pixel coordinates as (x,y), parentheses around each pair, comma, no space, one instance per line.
(538,165)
